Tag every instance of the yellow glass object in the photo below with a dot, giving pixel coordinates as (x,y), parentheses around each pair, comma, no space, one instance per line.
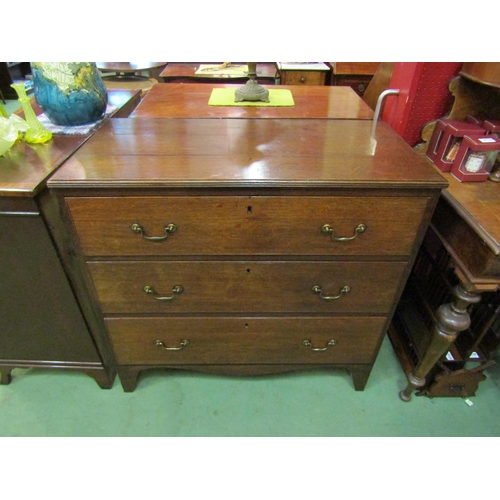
(36,133)
(11,129)
(3,112)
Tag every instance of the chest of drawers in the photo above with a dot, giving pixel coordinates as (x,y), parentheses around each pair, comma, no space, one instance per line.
(244,246)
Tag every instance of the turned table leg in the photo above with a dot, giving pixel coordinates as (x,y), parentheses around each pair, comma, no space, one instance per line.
(452,318)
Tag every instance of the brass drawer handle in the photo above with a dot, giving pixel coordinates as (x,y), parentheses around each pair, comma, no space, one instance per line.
(327,229)
(344,291)
(308,343)
(175,290)
(159,343)
(169,228)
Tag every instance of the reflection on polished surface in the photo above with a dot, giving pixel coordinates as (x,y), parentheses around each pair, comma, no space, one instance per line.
(327,152)
(191,101)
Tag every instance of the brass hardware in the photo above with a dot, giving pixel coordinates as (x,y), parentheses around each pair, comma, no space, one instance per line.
(175,290)
(344,291)
(308,343)
(184,343)
(327,229)
(169,228)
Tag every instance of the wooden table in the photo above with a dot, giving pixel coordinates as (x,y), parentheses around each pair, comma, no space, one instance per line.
(186,73)
(452,294)
(466,225)
(131,68)
(182,101)
(41,320)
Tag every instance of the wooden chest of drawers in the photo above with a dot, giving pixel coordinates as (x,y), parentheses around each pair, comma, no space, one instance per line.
(244,246)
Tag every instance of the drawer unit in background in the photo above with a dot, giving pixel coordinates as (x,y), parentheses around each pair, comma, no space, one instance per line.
(303,73)
(245,246)
(356,75)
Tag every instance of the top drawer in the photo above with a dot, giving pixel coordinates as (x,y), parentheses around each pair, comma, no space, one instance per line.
(246,225)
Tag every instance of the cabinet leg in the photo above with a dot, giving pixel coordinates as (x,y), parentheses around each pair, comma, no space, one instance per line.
(104,381)
(128,378)
(452,319)
(5,375)
(360,376)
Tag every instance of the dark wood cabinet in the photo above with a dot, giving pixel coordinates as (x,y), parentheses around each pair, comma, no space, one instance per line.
(42,320)
(356,75)
(303,73)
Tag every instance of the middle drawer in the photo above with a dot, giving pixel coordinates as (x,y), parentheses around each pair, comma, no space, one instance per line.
(249,286)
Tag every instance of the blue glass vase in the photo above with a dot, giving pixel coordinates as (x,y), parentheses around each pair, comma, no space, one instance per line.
(70,93)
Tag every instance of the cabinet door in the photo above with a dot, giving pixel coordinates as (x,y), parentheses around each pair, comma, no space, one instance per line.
(39,316)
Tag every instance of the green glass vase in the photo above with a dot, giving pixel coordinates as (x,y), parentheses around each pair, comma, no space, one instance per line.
(36,133)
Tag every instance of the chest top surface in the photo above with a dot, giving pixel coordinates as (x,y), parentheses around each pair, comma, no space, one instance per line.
(172,100)
(135,152)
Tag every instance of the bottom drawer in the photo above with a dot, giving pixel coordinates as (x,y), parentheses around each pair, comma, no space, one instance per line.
(204,340)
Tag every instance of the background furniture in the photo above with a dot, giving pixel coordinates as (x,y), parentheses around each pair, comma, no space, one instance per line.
(356,75)
(303,73)
(191,101)
(459,264)
(447,318)
(41,319)
(185,72)
(239,246)
(10,71)
(130,75)
(152,69)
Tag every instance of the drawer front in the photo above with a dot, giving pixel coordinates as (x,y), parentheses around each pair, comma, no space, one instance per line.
(225,225)
(251,286)
(245,340)
(295,77)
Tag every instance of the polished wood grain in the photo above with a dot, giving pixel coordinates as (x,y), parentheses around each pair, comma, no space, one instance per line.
(243,225)
(479,205)
(487,73)
(251,339)
(25,169)
(297,77)
(355,68)
(181,101)
(357,75)
(239,188)
(246,153)
(245,286)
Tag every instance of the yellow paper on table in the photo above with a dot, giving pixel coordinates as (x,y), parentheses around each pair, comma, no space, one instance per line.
(225,97)
(216,69)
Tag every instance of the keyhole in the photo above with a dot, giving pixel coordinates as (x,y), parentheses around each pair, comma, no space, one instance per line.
(248,271)
(249,209)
